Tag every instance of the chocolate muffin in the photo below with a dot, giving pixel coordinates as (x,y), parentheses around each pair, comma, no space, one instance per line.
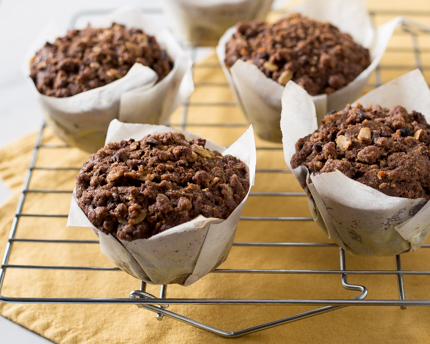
(136,189)
(386,149)
(90,58)
(315,55)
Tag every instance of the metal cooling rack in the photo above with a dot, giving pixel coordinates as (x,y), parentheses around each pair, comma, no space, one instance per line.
(159,304)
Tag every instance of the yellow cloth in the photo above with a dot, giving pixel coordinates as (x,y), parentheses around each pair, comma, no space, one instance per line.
(129,324)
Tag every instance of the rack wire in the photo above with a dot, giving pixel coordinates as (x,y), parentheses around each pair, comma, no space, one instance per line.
(158,305)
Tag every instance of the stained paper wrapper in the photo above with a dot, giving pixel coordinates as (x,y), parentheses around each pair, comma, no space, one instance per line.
(202,23)
(82,120)
(260,97)
(357,217)
(182,254)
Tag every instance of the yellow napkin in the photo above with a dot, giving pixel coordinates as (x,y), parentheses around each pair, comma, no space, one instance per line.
(130,324)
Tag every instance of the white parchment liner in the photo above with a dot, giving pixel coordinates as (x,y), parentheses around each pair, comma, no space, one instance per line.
(260,97)
(182,254)
(357,217)
(202,23)
(82,120)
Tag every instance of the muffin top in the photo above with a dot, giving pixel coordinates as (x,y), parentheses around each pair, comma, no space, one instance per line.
(136,189)
(313,54)
(90,58)
(385,149)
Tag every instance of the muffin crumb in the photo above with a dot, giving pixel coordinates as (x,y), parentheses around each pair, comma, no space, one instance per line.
(313,54)
(386,149)
(90,58)
(136,189)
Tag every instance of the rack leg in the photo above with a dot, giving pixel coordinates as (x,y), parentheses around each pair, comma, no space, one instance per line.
(163,291)
(400,281)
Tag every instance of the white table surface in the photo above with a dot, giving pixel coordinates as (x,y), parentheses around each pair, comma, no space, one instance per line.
(20,22)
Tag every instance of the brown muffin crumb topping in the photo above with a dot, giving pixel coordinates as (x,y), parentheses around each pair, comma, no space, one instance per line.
(90,58)
(136,189)
(313,54)
(385,149)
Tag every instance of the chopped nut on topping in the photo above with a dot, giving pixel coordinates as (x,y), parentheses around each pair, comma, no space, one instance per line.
(163,196)
(365,134)
(113,73)
(190,158)
(42,65)
(142,175)
(142,38)
(203,152)
(115,173)
(150,176)
(230,190)
(134,48)
(139,218)
(314,60)
(418,134)
(134,146)
(214,181)
(285,77)
(122,220)
(316,137)
(343,142)
(270,66)
(94,65)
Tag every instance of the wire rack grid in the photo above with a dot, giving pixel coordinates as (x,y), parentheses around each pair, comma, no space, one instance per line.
(417,35)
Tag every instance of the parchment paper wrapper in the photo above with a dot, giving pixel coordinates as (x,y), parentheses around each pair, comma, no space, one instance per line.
(82,120)
(260,97)
(202,23)
(357,217)
(182,254)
